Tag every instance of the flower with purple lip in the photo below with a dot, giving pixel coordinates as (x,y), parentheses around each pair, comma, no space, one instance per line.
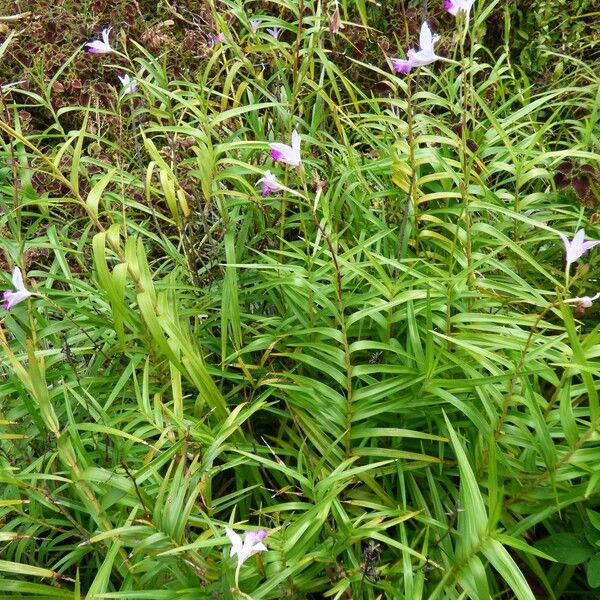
(269,184)
(21,293)
(101,46)
(287,154)
(576,247)
(456,6)
(418,58)
(251,544)
(255,24)
(274,32)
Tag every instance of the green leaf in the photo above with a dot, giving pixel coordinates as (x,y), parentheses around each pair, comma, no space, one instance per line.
(566,548)
(594,518)
(502,561)
(593,571)
(472,521)
(93,198)
(7,566)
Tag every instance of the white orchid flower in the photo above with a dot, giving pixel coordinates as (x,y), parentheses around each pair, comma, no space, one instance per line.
(244,549)
(419,58)
(129,84)
(101,46)
(576,247)
(456,6)
(21,292)
(269,184)
(287,154)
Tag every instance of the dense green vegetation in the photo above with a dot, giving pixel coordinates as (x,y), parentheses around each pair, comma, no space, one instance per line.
(387,369)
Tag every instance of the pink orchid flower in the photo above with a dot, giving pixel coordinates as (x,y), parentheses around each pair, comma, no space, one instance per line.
(418,58)
(101,46)
(269,184)
(21,293)
(287,154)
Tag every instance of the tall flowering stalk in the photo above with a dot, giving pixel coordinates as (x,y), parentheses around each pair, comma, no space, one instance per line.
(467,86)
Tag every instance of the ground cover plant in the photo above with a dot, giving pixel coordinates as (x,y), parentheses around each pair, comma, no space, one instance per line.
(300,301)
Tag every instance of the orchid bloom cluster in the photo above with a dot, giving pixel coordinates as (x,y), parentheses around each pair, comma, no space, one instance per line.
(251,544)
(284,153)
(103,46)
(574,250)
(426,55)
(11,298)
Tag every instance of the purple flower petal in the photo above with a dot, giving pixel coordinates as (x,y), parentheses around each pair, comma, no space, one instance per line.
(401,66)
(276,155)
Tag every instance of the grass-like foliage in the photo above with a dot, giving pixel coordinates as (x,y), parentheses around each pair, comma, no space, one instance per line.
(384,370)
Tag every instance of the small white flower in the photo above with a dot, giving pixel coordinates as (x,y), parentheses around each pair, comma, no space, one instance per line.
(255,24)
(101,46)
(584,301)
(269,184)
(129,84)
(217,38)
(456,6)
(418,58)
(252,544)
(274,32)
(287,154)
(576,247)
(21,293)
